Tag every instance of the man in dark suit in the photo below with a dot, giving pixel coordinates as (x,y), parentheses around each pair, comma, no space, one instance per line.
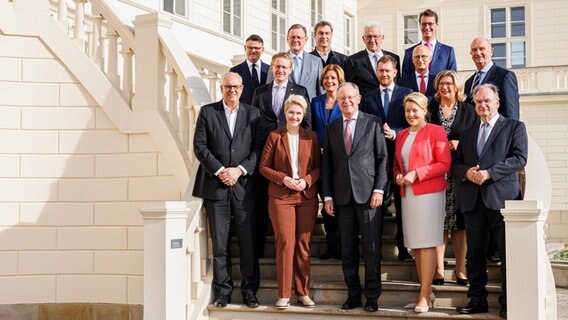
(385,102)
(443,56)
(323,33)
(488,158)
(421,80)
(306,68)
(488,72)
(269,99)
(227,145)
(354,178)
(253,71)
(361,68)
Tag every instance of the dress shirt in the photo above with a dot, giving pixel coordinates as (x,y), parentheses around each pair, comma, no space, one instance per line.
(323,55)
(297,62)
(491,123)
(293,141)
(484,71)
(257,68)
(281,92)
(231,121)
(432,45)
(391,87)
(372,55)
(419,79)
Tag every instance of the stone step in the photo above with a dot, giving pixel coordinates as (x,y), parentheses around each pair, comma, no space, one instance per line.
(241,312)
(324,270)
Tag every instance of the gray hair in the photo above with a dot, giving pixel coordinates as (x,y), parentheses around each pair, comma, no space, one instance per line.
(489,86)
(373,24)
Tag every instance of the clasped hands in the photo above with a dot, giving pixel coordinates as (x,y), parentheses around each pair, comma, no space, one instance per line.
(407,179)
(477,176)
(230,176)
(294,184)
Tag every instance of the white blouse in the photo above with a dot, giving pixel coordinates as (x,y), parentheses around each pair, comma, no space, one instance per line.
(294,141)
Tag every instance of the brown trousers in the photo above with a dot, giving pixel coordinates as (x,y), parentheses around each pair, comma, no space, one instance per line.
(293,220)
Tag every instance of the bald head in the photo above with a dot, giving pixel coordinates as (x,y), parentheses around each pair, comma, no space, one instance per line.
(481,52)
(421,58)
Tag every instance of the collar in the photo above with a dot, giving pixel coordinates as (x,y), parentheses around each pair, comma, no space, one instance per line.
(371,54)
(391,87)
(227,110)
(354,117)
(299,55)
(249,64)
(283,84)
(487,67)
(433,43)
(491,121)
(426,76)
(324,53)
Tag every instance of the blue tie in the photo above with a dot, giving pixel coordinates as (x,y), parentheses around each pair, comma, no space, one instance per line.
(476,81)
(386,101)
(482,138)
(297,69)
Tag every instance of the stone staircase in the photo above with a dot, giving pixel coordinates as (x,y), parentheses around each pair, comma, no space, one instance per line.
(400,285)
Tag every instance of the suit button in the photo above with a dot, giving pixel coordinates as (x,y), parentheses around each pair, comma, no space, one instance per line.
(232,150)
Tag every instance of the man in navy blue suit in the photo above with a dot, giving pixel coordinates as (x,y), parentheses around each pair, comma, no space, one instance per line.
(386,103)
(421,80)
(253,71)
(443,56)
(489,156)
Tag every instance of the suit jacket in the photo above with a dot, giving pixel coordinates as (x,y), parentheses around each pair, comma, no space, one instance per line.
(334,57)
(215,148)
(429,156)
(275,163)
(244,71)
(359,70)
(361,171)
(310,75)
(409,81)
(443,58)
(395,118)
(506,81)
(319,119)
(504,154)
(465,118)
(262,99)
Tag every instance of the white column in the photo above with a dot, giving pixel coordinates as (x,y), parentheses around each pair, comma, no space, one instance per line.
(527,261)
(165,261)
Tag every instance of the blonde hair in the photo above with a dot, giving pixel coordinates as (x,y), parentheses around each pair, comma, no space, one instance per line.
(420,100)
(298,100)
(460,95)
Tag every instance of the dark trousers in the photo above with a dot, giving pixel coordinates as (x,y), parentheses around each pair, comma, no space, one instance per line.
(479,223)
(262,216)
(392,194)
(354,220)
(219,213)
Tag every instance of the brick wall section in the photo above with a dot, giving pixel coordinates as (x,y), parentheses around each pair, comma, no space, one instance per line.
(546,118)
(71,187)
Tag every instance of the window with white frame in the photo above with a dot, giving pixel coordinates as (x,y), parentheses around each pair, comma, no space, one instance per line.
(411,29)
(349,34)
(175,7)
(316,9)
(279,20)
(232,17)
(508,36)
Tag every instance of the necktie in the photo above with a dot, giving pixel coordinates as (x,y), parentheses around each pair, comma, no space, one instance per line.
(482,138)
(347,136)
(422,84)
(429,45)
(255,81)
(375,61)
(476,80)
(386,101)
(277,101)
(297,69)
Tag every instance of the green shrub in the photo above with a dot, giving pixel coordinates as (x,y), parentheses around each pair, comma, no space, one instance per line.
(561,255)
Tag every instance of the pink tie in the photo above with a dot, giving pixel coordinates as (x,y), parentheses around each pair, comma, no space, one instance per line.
(429,45)
(347,136)
(422,84)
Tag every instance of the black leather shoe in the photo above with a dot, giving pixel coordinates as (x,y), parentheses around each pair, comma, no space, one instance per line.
(251,300)
(495,258)
(438,282)
(386,212)
(222,301)
(330,254)
(473,307)
(404,256)
(503,312)
(351,303)
(371,306)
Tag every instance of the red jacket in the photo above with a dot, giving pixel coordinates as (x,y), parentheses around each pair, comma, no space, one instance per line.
(429,156)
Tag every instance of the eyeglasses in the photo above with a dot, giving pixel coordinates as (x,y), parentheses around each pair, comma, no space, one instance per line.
(350,98)
(423,57)
(280,67)
(372,37)
(230,87)
(296,37)
(253,48)
(428,24)
(485,102)
(446,84)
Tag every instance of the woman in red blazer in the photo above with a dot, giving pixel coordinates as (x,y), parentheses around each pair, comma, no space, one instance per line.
(291,161)
(422,158)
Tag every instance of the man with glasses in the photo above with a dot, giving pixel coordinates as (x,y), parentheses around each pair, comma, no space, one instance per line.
(421,80)
(227,145)
(443,56)
(323,34)
(354,179)
(361,67)
(253,71)
(306,68)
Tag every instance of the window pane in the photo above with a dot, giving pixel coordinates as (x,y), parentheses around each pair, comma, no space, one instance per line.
(518,14)
(410,22)
(498,15)
(237,8)
(518,54)
(500,62)
(169,6)
(410,36)
(282,6)
(180,7)
(274,4)
(499,50)
(226,22)
(497,31)
(274,39)
(237,31)
(518,29)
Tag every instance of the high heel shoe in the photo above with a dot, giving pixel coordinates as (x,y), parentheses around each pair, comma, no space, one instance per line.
(419,309)
(461,281)
(306,301)
(412,305)
(438,282)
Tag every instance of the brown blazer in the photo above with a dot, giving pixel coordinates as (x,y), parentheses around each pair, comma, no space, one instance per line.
(275,162)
